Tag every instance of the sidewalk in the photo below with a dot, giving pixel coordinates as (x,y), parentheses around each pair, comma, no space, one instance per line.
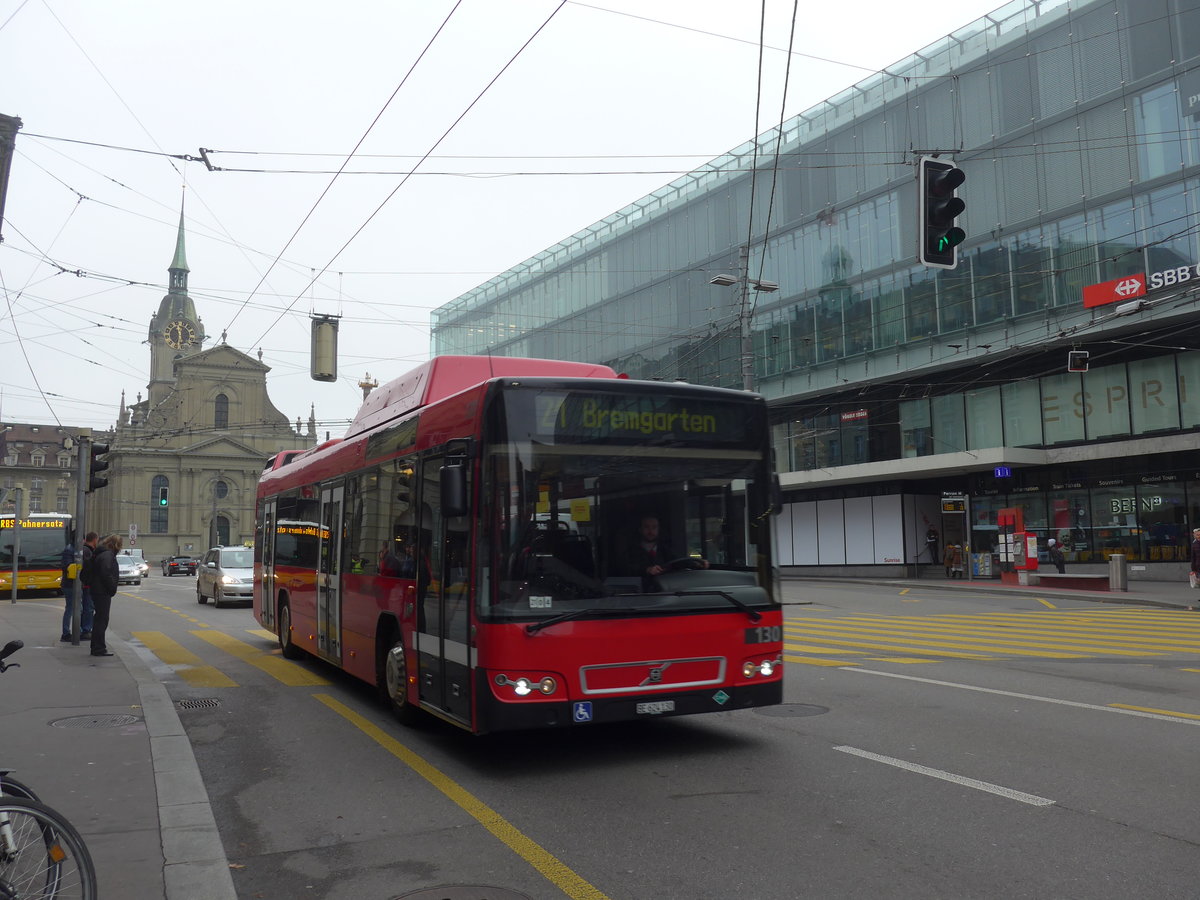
(99,739)
(1166,594)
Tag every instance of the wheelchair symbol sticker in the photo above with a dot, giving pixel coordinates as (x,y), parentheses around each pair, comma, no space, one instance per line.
(582,711)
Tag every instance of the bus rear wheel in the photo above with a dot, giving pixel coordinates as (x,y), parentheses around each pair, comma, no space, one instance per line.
(392,680)
(286,645)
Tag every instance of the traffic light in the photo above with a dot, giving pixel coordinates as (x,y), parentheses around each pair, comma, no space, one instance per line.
(1077,360)
(96,465)
(162,496)
(939,206)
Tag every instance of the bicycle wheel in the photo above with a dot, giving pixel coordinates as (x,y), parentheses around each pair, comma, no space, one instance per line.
(42,856)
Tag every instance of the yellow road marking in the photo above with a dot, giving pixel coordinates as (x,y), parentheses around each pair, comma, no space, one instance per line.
(280,669)
(1046,603)
(262,633)
(548,865)
(801,648)
(988,641)
(1160,712)
(905,591)
(808,661)
(172,609)
(907,660)
(1042,635)
(919,647)
(186,664)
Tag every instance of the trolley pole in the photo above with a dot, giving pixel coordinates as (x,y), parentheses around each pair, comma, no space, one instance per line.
(82,470)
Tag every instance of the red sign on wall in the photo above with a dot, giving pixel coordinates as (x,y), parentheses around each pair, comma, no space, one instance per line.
(1114,291)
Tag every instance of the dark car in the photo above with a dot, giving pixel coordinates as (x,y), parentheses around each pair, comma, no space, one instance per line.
(179,565)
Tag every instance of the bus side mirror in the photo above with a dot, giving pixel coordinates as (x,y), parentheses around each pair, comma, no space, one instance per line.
(454,490)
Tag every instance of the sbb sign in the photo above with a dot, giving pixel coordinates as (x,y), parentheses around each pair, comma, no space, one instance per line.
(1131,286)
(1114,291)
(1169,277)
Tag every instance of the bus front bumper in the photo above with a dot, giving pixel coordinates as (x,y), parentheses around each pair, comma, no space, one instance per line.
(498,715)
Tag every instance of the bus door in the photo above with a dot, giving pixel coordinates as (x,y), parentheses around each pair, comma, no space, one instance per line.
(443,650)
(265,589)
(329,575)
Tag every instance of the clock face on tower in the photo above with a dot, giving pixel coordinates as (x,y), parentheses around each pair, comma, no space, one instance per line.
(180,334)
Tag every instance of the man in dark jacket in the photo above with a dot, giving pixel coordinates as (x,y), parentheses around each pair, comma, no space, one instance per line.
(69,588)
(103,583)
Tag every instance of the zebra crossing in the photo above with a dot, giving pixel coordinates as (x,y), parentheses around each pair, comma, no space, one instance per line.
(817,639)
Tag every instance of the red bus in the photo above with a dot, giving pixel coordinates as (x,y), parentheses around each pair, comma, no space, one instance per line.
(466,547)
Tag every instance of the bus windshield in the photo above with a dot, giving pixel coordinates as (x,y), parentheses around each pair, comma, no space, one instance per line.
(575,475)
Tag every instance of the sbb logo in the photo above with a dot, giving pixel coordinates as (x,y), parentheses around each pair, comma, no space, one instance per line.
(1169,277)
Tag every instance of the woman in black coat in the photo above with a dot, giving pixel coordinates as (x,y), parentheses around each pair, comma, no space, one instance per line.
(103,583)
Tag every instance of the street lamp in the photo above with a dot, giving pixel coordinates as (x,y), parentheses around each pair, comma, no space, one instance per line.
(744,312)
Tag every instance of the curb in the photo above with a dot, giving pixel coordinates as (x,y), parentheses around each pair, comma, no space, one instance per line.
(195,866)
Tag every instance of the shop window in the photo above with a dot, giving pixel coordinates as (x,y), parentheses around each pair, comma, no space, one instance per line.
(1115,527)
(1070,524)
(1106,402)
(1163,523)
(915,428)
(1153,395)
(1062,408)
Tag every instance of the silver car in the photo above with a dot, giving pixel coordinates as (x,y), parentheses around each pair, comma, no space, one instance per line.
(227,575)
(129,569)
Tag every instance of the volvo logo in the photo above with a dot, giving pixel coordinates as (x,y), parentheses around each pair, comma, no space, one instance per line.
(655,675)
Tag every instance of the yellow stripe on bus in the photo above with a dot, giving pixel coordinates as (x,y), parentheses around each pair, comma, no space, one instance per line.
(280,669)
(187,665)
(548,865)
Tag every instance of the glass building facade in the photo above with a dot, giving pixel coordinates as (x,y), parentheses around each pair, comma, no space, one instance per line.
(1078,125)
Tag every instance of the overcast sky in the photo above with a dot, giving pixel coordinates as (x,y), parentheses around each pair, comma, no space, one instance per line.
(600,104)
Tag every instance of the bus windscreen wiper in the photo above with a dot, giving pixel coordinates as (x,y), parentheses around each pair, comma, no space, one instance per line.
(535,627)
(753,614)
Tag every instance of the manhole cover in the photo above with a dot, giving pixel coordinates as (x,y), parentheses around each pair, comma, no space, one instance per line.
(463,892)
(792,709)
(111,720)
(199,703)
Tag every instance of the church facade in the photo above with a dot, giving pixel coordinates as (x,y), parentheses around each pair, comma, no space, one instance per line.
(185,459)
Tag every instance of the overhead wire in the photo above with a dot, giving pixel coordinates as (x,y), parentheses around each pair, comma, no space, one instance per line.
(404,80)
(435,145)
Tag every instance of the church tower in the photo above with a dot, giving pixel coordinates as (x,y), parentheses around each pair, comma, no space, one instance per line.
(175,330)
(185,461)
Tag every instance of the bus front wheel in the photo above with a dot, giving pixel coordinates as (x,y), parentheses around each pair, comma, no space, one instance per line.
(393,680)
(286,645)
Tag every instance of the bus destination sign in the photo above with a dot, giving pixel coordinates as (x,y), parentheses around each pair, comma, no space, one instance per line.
(597,417)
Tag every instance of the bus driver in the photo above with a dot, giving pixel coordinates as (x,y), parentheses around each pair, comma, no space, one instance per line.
(649,554)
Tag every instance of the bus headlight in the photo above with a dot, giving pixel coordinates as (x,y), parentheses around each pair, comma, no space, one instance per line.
(523,686)
(766,668)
